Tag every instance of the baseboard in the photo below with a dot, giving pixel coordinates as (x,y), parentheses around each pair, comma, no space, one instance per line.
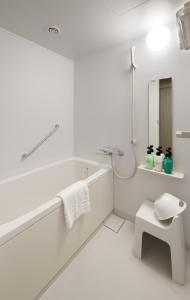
(132,220)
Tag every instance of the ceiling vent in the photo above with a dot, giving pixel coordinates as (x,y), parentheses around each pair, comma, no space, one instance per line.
(120,7)
(54,30)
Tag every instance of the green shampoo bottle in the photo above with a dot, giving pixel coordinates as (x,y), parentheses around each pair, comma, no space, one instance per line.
(168,163)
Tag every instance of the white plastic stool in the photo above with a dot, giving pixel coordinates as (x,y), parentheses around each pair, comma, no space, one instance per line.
(171,232)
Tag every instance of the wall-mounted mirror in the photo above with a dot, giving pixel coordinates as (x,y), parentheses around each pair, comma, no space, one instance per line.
(160,112)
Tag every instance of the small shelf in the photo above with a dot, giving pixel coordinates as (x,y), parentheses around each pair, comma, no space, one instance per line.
(174,174)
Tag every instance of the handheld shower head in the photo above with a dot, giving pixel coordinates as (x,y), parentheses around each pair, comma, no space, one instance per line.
(133,65)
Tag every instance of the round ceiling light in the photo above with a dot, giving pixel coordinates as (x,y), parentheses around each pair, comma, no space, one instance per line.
(158,38)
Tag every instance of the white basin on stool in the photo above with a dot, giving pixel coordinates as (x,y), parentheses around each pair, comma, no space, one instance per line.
(170,232)
(168,206)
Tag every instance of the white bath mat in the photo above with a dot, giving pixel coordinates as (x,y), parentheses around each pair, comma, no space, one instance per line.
(114,223)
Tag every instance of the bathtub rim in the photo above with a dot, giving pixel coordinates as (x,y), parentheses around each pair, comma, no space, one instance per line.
(11,229)
(45,167)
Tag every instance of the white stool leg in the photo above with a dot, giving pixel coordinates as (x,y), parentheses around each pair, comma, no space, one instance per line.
(138,241)
(178,252)
(178,263)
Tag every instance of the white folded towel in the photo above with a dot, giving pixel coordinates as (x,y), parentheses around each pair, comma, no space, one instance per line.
(76,202)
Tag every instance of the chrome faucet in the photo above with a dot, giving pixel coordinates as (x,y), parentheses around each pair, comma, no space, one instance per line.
(109,151)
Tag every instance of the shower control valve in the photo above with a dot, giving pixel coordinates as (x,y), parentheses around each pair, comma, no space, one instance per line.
(110,151)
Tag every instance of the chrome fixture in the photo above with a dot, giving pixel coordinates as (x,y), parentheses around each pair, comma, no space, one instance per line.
(26,155)
(183,21)
(110,151)
(183,134)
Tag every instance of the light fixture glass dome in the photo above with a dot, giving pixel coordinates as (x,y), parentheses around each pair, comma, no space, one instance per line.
(158,38)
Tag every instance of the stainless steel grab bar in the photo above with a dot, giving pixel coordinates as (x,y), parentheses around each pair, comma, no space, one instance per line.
(26,155)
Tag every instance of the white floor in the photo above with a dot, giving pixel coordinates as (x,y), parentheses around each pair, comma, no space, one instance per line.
(105,269)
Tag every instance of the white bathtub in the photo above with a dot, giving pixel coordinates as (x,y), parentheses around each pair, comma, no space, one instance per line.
(34,242)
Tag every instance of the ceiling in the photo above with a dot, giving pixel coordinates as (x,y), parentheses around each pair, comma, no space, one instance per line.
(86,25)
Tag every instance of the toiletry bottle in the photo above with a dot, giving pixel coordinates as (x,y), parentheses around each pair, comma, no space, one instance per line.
(161,151)
(168,162)
(162,155)
(149,160)
(158,161)
(151,148)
